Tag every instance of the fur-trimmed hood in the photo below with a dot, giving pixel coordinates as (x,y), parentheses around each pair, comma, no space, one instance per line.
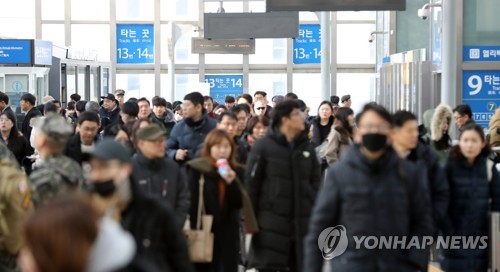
(442,113)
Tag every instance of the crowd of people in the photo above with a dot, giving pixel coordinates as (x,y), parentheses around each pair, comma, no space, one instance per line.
(119,185)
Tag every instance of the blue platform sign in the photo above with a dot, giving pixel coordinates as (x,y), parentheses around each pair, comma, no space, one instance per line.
(481,91)
(15,51)
(481,53)
(135,43)
(43,52)
(307,47)
(224,85)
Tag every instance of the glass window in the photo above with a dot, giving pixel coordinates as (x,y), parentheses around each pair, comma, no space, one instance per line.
(272,84)
(212,7)
(18,9)
(136,85)
(54,33)
(356,15)
(308,16)
(90,10)
(17,19)
(257,6)
(183,53)
(481,25)
(269,51)
(186,10)
(308,88)
(52,9)
(135,10)
(361,87)
(185,84)
(18,28)
(165,87)
(355,48)
(94,37)
(223,59)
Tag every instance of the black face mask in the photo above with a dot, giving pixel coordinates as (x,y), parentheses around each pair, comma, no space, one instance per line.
(374,141)
(104,189)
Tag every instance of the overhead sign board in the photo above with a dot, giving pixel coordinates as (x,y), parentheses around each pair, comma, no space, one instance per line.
(334,5)
(481,91)
(15,51)
(481,53)
(135,43)
(43,52)
(224,85)
(238,46)
(307,47)
(251,25)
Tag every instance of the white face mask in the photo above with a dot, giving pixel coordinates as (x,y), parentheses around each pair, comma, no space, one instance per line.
(178,117)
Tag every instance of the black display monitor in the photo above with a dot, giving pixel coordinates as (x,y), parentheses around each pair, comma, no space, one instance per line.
(334,5)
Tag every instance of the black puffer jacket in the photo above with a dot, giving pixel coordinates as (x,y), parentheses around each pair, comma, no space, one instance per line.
(385,197)
(427,161)
(162,179)
(470,197)
(159,241)
(282,180)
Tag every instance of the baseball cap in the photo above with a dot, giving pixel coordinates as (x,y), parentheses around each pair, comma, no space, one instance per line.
(109,149)
(119,92)
(54,126)
(150,132)
(345,98)
(109,96)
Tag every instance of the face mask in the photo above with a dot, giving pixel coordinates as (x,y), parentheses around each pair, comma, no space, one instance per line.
(177,117)
(105,189)
(374,141)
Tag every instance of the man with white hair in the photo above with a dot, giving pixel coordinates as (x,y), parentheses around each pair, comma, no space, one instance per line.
(46,99)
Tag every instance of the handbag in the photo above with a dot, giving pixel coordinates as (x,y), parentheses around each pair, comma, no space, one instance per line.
(200,240)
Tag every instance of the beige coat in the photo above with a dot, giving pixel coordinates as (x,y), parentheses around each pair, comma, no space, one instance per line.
(336,149)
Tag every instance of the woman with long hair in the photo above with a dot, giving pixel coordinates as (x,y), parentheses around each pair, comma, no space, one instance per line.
(321,128)
(341,136)
(221,196)
(10,135)
(474,193)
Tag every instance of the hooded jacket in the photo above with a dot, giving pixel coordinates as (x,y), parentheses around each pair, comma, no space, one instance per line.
(442,113)
(167,121)
(282,180)
(385,197)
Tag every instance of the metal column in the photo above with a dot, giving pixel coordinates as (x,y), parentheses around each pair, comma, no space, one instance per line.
(449,59)
(325,56)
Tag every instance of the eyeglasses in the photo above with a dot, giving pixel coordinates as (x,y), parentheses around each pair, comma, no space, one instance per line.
(261,108)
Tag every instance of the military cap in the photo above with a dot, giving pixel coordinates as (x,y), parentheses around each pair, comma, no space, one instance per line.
(150,132)
(108,149)
(119,92)
(345,98)
(55,127)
